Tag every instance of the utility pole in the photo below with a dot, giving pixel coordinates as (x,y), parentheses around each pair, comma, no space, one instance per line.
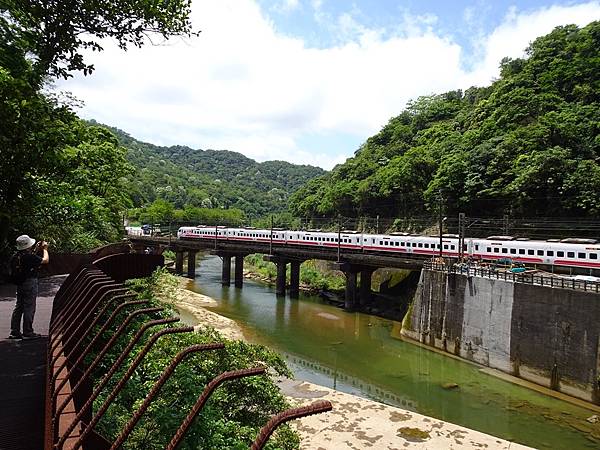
(377,224)
(461,235)
(271,242)
(441,224)
(216,233)
(505,224)
(339,249)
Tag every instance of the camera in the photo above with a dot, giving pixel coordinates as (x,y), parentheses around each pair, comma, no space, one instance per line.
(40,245)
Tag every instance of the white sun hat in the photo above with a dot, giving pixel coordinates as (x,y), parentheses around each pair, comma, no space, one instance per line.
(24,242)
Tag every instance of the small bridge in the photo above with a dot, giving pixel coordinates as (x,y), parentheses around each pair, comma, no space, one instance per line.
(350,262)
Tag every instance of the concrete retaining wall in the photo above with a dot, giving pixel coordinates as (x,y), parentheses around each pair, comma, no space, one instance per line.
(546,335)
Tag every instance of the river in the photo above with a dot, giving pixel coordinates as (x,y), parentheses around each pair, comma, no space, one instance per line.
(359,354)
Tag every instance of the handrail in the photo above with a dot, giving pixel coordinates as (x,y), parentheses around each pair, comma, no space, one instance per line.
(522,277)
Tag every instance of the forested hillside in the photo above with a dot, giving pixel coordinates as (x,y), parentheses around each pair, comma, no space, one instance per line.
(210,178)
(528,145)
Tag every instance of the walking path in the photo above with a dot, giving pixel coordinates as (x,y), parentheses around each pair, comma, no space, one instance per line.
(22,372)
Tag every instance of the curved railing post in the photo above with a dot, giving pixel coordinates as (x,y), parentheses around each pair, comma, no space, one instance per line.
(285,416)
(208,390)
(158,385)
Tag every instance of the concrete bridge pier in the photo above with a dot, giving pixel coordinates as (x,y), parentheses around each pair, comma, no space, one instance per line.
(191,266)
(226,257)
(179,263)
(280,280)
(226,270)
(281,276)
(353,294)
(365,293)
(295,278)
(239,271)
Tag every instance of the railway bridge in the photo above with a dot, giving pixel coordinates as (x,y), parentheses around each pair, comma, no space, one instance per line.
(356,265)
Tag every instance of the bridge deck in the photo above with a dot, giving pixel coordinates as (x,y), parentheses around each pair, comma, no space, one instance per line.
(22,376)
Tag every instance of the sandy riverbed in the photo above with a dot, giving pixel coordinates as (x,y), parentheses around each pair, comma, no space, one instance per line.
(355,422)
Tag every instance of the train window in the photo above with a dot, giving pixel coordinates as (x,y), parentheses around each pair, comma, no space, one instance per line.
(397,244)
(373,240)
(345,240)
(426,245)
(496,250)
(540,252)
(570,254)
(476,246)
(445,246)
(403,244)
(420,245)
(513,251)
(593,255)
(549,252)
(581,255)
(452,247)
(531,252)
(560,254)
(414,244)
(380,242)
(521,251)
(504,250)
(489,250)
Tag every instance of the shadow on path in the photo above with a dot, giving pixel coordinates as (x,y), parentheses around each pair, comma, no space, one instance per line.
(22,372)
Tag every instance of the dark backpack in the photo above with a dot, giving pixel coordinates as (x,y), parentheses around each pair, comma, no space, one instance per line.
(16,272)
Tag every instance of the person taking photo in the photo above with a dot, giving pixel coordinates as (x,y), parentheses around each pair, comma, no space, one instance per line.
(24,268)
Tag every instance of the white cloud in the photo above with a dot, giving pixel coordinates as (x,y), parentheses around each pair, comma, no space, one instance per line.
(519,29)
(242,86)
(286,6)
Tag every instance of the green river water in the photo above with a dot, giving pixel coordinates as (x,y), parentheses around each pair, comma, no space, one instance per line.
(358,353)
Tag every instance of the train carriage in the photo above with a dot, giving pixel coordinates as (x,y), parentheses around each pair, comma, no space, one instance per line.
(582,253)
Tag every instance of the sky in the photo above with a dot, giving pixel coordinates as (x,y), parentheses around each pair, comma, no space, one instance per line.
(307,81)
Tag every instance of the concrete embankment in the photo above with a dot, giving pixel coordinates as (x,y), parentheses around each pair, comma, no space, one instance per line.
(549,336)
(354,422)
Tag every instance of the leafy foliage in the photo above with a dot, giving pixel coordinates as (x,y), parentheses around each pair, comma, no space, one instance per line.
(56,33)
(61,178)
(235,411)
(527,145)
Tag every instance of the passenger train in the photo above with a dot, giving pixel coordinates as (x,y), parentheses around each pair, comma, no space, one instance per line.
(581,253)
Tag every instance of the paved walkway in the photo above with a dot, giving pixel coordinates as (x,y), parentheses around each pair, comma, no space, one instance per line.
(22,372)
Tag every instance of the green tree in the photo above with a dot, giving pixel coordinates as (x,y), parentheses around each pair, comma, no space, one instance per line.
(56,33)
(61,178)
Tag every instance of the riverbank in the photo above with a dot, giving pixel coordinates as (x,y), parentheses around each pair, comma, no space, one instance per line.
(355,422)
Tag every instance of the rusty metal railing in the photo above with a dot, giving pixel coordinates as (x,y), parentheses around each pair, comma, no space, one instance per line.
(91,312)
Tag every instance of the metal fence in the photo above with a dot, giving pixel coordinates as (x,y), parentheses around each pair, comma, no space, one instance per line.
(76,349)
(535,278)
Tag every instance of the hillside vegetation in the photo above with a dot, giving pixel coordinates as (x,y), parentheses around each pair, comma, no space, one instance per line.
(210,178)
(528,145)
